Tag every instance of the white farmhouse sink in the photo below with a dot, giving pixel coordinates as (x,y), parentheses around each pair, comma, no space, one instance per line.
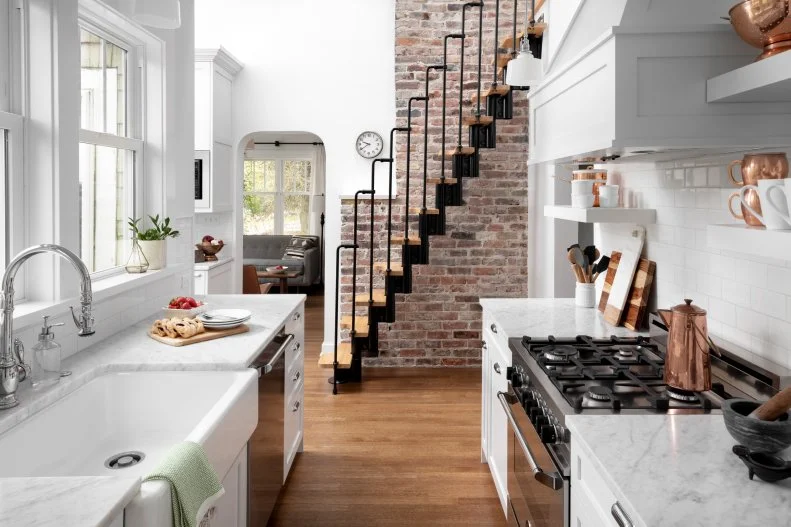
(145,412)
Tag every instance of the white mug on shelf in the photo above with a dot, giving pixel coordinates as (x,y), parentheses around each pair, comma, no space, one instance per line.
(779,199)
(582,187)
(583,202)
(774,208)
(608,196)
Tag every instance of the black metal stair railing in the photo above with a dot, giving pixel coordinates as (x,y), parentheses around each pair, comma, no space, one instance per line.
(337,308)
(408,255)
(464,165)
(446,195)
(426,222)
(371,241)
(354,259)
(482,135)
(407,129)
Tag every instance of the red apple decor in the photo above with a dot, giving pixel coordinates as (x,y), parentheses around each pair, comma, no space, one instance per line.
(210,247)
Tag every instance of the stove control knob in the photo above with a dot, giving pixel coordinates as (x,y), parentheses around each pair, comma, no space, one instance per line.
(529,404)
(516,378)
(540,422)
(535,413)
(548,434)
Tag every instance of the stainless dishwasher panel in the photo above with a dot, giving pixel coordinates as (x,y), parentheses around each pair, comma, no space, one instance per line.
(265,448)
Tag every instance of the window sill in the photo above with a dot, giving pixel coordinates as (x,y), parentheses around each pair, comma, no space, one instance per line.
(29,313)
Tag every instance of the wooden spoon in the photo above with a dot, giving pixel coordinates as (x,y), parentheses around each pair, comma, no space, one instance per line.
(574,267)
(774,407)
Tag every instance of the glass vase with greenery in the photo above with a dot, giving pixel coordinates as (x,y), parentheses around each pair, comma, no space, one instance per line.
(152,239)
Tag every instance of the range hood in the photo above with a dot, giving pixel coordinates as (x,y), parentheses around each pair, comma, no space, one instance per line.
(629,78)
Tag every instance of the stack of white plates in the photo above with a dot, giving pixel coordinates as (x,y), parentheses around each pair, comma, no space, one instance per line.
(224,318)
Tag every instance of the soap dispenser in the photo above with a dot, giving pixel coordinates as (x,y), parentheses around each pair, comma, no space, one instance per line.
(46,357)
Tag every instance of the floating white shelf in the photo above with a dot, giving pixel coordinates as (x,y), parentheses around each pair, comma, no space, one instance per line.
(750,240)
(601,215)
(767,80)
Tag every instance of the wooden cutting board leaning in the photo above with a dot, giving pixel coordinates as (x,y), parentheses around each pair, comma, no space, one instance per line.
(624,275)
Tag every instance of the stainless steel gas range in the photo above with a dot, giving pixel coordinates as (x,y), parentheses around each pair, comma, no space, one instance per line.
(552,378)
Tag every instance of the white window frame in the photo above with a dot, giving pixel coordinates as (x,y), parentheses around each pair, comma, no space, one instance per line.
(280,155)
(135,111)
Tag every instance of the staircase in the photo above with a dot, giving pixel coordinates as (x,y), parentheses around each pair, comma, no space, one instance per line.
(407,245)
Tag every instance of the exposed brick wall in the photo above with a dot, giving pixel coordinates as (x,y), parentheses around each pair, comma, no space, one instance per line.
(484,251)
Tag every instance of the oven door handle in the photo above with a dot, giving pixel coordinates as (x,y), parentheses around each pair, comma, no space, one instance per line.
(553,480)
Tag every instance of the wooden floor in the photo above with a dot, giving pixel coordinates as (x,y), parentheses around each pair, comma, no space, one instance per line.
(402,448)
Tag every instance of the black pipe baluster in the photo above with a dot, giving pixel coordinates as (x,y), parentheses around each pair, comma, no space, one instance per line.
(496,40)
(354,266)
(461,69)
(459,36)
(425,135)
(408,162)
(337,307)
(390,196)
(371,266)
(480,58)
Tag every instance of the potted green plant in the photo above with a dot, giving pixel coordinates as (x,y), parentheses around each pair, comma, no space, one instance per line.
(152,240)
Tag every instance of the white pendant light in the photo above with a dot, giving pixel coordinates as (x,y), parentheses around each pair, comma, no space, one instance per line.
(161,14)
(525,69)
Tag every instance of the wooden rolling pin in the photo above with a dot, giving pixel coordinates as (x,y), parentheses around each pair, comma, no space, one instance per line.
(774,407)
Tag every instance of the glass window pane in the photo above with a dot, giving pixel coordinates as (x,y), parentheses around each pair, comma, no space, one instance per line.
(269,181)
(105,184)
(92,84)
(259,214)
(296,214)
(248,183)
(296,176)
(115,82)
(103,79)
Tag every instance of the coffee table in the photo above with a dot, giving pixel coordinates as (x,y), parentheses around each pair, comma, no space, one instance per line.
(283,277)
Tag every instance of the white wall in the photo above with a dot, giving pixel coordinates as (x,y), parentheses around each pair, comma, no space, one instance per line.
(748,298)
(326,68)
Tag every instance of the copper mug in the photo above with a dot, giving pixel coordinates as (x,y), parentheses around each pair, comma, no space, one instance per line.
(753,168)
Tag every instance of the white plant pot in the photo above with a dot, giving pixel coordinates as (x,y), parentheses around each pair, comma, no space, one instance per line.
(155,252)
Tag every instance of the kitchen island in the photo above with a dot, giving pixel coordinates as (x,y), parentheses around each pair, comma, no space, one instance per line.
(98,500)
(672,470)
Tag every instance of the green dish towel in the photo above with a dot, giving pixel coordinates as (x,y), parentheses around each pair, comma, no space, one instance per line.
(194,486)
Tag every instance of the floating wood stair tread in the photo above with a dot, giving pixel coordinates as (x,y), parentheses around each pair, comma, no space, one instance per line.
(360,325)
(396,269)
(344,357)
(399,240)
(501,90)
(480,120)
(439,181)
(464,150)
(418,210)
(379,298)
(508,42)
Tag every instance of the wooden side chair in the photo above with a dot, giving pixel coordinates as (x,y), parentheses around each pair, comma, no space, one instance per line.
(250,284)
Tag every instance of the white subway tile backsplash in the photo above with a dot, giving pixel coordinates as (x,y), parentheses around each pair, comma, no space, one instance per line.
(748,297)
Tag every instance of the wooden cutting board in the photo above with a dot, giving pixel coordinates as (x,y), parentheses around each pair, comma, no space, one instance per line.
(619,292)
(209,334)
(637,304)
(615,259)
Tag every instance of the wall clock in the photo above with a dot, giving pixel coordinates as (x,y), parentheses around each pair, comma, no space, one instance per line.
(369,144)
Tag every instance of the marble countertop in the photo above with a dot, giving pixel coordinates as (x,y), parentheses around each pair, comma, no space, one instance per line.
(205,266)
(678,470)
(549,316)
(51,501)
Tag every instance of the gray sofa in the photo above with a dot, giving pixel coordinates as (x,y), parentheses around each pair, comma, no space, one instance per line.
(266,250)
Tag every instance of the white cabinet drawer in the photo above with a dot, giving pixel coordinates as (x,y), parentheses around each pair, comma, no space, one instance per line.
(492,330)
(294,420)
(295,372)
(201,283)
(583,511)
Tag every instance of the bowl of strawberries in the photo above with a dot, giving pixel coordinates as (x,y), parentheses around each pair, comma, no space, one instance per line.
(184,307)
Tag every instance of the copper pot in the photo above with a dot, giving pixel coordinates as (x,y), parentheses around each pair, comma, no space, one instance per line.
(687,363)
(764,24)
(598,176)
(773,165)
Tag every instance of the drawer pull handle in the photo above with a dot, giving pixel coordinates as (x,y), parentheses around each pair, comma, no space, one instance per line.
(297,376)
(298,345)
(620,516)
(494,329)
(484,345)
(296,407)
(297,316)
(497,367)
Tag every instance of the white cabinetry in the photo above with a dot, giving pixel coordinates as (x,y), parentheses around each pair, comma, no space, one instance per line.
(294,391)
(494,424)
(215,70)
(593,504)
(214,278)
(231,509)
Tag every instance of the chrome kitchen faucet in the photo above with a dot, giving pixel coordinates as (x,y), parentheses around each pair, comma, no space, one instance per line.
(12,363)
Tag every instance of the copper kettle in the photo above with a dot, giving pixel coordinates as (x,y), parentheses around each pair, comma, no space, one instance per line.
(687,363)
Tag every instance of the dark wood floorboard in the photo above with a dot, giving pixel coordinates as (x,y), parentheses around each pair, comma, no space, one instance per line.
(402,448)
